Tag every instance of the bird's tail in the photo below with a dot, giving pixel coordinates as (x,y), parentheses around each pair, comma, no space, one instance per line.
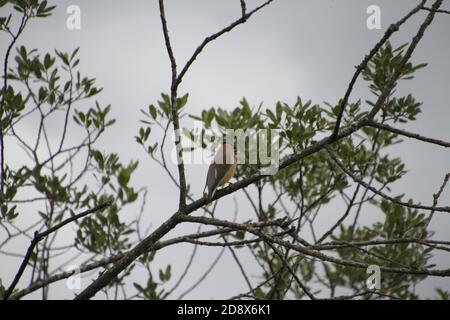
(208,194)
(208,205)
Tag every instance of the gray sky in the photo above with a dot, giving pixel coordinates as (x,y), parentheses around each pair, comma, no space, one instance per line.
(291,48)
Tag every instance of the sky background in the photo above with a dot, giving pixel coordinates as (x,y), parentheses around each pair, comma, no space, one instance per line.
(289,49)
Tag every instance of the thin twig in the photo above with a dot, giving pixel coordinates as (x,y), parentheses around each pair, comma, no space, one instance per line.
(216,35)
(408,134)
(286,263)
(39,236)
(392,28)
(205,274)
(436,197)
(174,107)
(374,190)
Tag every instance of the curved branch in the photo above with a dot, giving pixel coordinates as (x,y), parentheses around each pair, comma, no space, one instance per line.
(174,107)
(392,28)
(334,156)
(39,236)
(316,254)
(408,134)
(216,35)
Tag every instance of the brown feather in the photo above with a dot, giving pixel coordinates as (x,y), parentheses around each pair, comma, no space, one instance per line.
(222,169)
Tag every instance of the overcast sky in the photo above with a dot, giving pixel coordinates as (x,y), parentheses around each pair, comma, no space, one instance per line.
(289,49)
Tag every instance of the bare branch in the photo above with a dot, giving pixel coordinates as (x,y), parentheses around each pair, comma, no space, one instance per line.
(205,274)
(434,10)
(436,197)
(286,264)
(348,263)
(176,80)
(346,213)
(216,35)
(63,275)
(392,28)
(174,106)
(440,245)
(314,253)
(104,262)
(365,185)
(408,134)
(39,236)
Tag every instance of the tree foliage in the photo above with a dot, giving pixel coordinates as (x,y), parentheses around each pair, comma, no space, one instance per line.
(336,164)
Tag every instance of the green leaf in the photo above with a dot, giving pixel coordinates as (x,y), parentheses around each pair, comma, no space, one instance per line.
(181,102)
(153,111)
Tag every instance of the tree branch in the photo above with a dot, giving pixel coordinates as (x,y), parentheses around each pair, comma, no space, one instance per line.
(438,10)
(436,197)
(408,134)
(314,253)
(393,79)
(334,156)
(177,217)
(104,262)
(182,213)
(2,104)
(174,106)
(392,28)
(216,35)
(39,236)
(286,263)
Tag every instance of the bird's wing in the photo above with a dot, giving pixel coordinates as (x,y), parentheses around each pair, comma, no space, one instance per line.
(216,173)
(209,177)
(221,169)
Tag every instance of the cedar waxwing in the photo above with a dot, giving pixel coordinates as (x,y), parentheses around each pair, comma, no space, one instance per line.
(221,169)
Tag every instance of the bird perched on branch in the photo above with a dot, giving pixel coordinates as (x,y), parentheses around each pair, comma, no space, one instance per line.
(221,169)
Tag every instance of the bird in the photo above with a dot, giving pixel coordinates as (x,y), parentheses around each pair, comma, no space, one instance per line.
(222,168)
